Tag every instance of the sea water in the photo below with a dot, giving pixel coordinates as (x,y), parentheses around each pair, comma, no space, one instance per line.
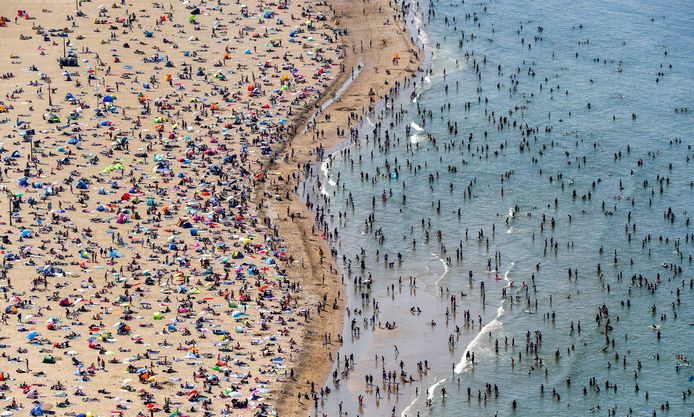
(592,173)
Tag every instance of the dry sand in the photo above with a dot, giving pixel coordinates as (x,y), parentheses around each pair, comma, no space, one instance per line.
(162,315)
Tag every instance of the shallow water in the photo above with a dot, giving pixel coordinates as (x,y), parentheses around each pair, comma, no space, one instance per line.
(620,53)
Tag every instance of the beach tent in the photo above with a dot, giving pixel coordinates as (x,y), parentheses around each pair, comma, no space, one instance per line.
(123,329)
(48,359)
(185,224)
(68,61)
(118,166)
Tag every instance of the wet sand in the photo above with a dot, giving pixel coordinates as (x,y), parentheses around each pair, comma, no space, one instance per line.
(314,364)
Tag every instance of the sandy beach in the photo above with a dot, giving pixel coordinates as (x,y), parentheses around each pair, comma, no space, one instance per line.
(156,258)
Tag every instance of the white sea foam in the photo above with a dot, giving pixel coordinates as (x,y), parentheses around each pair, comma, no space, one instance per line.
(326,174)
(432,389)
(419,24)
(445,271)
(416,127)
(495,324)
(430,395)
(465,364)
(418,135)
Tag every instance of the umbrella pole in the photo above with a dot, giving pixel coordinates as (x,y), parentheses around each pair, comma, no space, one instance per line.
(50,101)
(9,201)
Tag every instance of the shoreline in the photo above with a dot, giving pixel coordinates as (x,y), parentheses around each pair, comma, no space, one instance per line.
(310,366)
(462,365)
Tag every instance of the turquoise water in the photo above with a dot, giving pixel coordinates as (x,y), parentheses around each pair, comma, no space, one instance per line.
(516,187)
